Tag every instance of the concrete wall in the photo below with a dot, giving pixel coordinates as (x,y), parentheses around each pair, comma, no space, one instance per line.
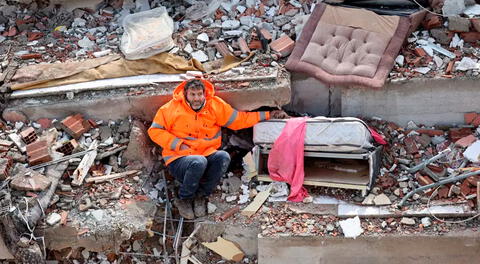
(425,101)
(450,248)
(311,96)
(112,104)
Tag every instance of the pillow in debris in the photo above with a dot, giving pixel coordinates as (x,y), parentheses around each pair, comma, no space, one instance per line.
(348,46)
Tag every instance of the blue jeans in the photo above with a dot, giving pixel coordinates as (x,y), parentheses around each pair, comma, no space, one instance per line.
(199,175)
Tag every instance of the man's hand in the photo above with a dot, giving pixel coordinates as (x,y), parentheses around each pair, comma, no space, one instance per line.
(279,114)
(184,146)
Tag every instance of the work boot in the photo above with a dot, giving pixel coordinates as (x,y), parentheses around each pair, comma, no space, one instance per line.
(184,207)
(199,206)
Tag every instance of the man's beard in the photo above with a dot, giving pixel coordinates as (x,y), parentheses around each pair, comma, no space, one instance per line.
(199,105)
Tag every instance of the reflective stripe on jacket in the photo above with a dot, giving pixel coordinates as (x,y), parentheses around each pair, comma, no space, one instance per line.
(176,123)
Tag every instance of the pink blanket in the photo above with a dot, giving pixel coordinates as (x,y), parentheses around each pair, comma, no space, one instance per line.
(285,161)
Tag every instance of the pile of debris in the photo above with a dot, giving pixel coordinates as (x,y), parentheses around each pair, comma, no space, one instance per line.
(205,32)
(448,46)
(74,171)
(417,156)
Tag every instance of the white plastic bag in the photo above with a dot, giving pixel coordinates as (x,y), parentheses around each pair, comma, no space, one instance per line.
(146,34)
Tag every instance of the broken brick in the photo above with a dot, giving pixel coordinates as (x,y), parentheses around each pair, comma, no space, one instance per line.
(423,180)
(449,67)
(255,44)
(410,145)
(12,32)
(34,35)
(28,135)
(466,141)
(458,133)
(476,121)
(443,192)
(38,153)
(5,167)
(420,52)
(31,56)
(242,44)
(473,180)
(75,125)
(222,48)
(465,188)
(432,21)
(475,23)
(469,117)
(266,34)
(470,36)
(283,45)
(68,148)
(430,132)
(45,123)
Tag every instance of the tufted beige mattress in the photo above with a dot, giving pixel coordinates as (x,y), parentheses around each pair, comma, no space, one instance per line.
(348,46)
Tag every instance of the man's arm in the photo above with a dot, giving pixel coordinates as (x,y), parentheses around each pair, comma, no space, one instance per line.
(161,136)
(233,119)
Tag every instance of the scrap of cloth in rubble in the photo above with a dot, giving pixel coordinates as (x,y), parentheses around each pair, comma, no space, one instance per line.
(285,160)
(348,46)
(48,75)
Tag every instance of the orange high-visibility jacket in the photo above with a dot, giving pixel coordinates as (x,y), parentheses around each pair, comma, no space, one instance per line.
(176,123)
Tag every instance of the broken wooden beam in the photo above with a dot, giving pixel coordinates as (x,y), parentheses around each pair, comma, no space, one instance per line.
(253,207)
(226,249)
(82,170)
(114,176)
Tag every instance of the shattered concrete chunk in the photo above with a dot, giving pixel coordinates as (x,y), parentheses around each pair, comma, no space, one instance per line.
(382,199)
(25,179)
(407,221)
(53,219)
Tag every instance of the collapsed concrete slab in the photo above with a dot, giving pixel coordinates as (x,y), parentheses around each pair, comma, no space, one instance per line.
(142,98)
(101,229)
(424,101)
(454,247)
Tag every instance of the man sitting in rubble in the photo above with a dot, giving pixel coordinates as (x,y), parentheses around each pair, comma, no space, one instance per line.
(188,128)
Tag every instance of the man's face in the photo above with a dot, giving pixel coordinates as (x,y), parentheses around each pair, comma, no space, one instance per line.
(196,98)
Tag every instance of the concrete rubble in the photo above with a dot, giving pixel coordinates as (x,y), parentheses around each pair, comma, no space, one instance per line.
(117,210)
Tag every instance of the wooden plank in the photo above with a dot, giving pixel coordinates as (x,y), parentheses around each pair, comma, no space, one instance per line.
(253,207)
(114,176)
(82,170)
(226,249)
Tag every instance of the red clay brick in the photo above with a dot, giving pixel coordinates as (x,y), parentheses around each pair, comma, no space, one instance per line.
(266,34)
(410,145)
(458,133)
(423,180)
(34,35)
(284,45)
(473,180)
(432,21)
(420,52)
(28,135)
(476,23)
(5,167)
(465,188)
(470,36)
(68,147)
(31,56)
(430,132)
(255,44)
(449,67)
(469,117)
(443,192)
(242,44)
(476,121)
(38,152)
(466,141)
(75,125)
(222,48)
